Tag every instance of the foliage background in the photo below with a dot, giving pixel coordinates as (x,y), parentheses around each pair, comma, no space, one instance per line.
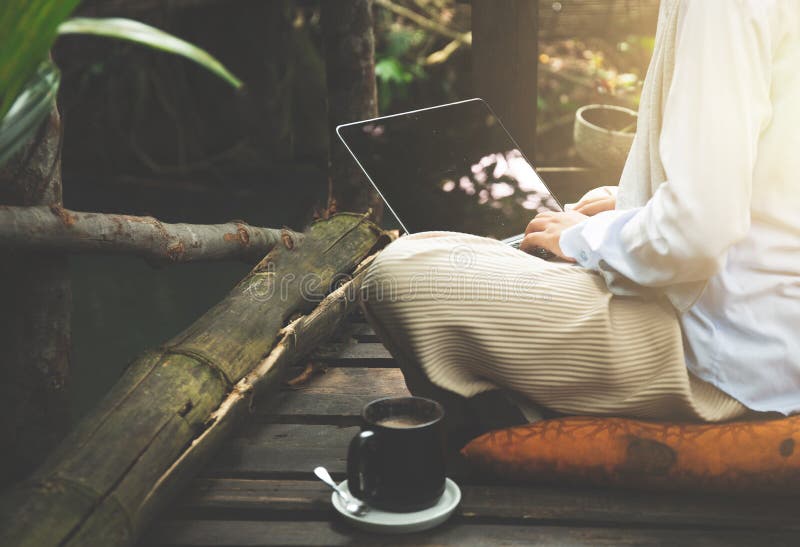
(146,132)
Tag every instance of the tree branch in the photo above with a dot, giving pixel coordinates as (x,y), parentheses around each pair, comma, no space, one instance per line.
(428,24)
(53,228)
(442,55)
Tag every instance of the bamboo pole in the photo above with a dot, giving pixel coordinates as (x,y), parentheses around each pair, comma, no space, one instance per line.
(174,405)
(298,339)
(55,229)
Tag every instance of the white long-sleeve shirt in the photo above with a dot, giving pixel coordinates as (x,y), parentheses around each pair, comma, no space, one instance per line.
(729,211)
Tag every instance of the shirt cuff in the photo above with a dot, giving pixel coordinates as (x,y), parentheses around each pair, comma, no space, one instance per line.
(575,246)
(584,241)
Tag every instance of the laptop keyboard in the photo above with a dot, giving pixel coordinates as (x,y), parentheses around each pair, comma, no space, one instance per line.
(514,241)
(538,252)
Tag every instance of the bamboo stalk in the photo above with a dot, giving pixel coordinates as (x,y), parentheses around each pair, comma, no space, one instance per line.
(174,405)
(55,229)
(298,339)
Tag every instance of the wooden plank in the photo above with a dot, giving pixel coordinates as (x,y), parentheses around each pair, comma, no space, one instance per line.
(337,393)
(335,532)
(353,353)
(286,450)
(226,498)
(363,332)
(283,449)
(505,62)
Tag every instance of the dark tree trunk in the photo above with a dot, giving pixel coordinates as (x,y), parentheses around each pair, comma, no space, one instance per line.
(505,58)
(352,96)
(35,301)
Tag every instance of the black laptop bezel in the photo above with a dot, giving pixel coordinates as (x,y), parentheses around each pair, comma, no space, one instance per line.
(476,99)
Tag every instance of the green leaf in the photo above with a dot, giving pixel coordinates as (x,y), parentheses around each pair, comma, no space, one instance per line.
(29,110)
(390,70)
(134,31)
(400,41)
(27,32)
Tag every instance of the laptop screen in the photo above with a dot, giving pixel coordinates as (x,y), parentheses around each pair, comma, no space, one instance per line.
(452,167)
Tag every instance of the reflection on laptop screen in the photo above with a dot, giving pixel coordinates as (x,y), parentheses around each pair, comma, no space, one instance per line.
(453,168)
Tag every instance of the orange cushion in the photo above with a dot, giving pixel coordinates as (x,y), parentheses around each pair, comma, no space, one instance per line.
(752,456)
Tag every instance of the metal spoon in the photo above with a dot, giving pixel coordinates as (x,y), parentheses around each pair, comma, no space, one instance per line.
(351,504)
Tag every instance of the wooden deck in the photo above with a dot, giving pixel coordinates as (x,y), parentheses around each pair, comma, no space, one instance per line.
(259,490)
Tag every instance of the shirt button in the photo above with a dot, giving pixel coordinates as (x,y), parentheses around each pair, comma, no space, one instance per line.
(584,256)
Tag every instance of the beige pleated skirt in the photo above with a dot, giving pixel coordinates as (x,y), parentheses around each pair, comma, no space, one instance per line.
(473,315)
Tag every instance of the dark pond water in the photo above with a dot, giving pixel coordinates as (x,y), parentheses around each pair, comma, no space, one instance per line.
(122,306)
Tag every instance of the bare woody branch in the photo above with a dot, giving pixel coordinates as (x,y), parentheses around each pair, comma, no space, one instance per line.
(53,228)
(442,55)
(428,24)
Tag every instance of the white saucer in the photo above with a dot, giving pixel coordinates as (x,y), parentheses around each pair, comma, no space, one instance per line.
(386,522)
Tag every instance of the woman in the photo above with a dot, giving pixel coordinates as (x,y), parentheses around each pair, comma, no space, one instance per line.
(680,298)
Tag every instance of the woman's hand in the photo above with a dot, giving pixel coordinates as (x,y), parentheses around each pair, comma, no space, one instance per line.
(596,201)
(545,230)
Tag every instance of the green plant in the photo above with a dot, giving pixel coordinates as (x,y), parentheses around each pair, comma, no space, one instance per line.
(397,65)
(134,31)
(28,29)
(416,45)
(28,81)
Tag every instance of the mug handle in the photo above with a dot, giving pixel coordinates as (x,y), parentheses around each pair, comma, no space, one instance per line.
(360,478)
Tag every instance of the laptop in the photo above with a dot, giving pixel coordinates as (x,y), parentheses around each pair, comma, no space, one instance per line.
(452,167)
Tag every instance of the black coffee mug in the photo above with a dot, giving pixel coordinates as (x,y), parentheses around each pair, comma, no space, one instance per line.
(397,461)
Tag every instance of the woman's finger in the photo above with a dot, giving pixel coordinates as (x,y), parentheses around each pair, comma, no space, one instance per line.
(594,201)
(538,224)
(596,206)
(532,241)
(586,200)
